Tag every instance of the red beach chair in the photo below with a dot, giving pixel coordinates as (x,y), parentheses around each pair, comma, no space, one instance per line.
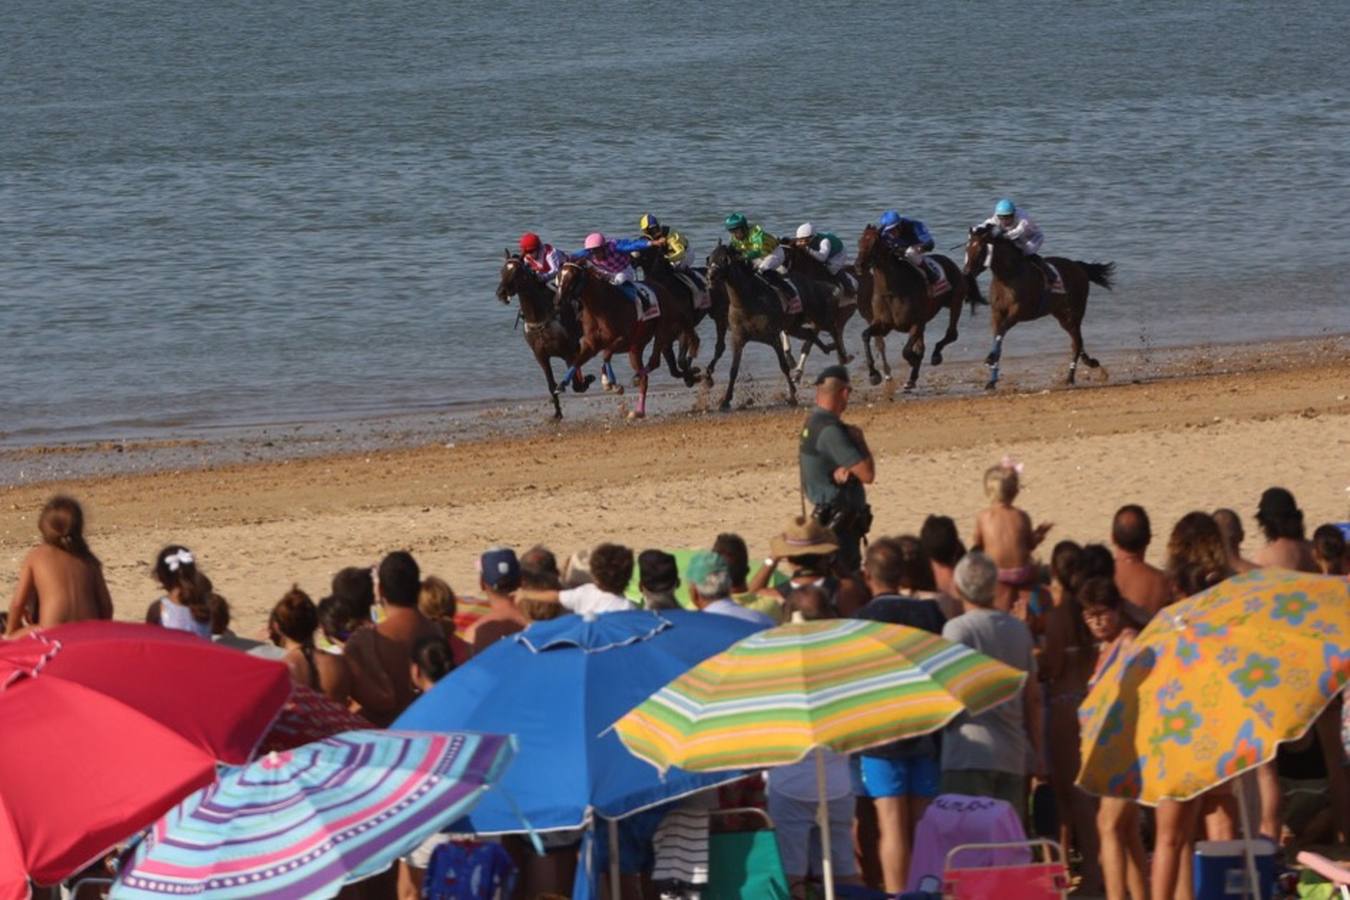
(1044,880)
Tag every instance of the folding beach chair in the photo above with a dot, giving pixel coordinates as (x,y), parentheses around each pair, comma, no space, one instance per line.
(1046,879)
(745,865)
(86,888)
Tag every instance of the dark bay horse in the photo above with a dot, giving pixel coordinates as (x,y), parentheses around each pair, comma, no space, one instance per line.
(755,313)
(1018,292)
(655,267)
(825,305)
(549,334)
(805,269)
(609,325)
(900,301)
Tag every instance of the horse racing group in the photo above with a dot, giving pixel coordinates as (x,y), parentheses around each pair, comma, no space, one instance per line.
(766,289)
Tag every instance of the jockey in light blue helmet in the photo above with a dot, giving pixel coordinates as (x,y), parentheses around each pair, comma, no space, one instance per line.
(1005,207)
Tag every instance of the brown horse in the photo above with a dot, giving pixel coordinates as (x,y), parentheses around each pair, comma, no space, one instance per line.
(825,307)
(900,301)
(755,313)
(549,334)
(609,325)
(655,267)
(1018,292)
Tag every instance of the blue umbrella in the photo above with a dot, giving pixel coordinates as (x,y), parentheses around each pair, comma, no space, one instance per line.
(558,686)
(304,822)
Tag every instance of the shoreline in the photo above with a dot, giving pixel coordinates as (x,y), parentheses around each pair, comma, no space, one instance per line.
(200,448)
(1184,442)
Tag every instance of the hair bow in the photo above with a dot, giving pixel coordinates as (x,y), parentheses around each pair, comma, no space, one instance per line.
(1011,464)
(177,560)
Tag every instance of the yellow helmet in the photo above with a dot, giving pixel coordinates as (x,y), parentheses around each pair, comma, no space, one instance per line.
(648,223)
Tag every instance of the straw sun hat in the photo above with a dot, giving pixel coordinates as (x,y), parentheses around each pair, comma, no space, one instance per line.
(804,536)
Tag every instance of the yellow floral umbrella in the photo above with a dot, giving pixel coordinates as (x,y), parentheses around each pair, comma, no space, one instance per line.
(1214,683)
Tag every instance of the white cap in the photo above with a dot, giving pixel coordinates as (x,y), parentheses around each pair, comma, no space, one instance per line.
(806,230)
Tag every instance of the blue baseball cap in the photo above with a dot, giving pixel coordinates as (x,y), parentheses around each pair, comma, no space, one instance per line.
(498,566)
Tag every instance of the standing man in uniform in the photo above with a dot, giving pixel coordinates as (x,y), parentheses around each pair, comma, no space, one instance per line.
(835,464)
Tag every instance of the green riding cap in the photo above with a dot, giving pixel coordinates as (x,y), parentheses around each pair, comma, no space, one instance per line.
(734,221)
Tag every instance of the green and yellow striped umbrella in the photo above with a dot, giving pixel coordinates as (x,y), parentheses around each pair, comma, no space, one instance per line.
(845,684)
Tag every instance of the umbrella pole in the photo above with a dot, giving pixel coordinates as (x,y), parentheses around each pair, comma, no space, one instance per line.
(615,887)
(1248,851)
(823,823)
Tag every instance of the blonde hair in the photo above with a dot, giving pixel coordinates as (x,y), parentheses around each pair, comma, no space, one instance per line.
(1001,483)
(436,599)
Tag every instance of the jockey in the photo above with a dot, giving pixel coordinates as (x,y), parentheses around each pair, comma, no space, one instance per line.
(667,238)
(760,249)
(544,260)
(908,237)
(1025,234)
(823,246)
(610,259)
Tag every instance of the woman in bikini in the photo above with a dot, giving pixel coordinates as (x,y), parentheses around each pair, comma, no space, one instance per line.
(292,625)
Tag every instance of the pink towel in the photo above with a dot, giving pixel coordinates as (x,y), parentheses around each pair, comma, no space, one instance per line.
(955,819)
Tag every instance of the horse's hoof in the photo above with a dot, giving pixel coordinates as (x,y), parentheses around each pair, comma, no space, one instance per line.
(637,381)
(557,416)
(634,414)
(848,360)
(707,379)
(792,400)
(584,385)
(617,389)
(990,360)
(874,378)
(937,358)
(991,385)
(889,377)
(909,386)
(724,406)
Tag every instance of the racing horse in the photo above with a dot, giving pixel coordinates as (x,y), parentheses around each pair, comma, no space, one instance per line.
(754,314)
(803,266)
(609,325)
(1018,292)
(550,334)
(900,300)
(655,267)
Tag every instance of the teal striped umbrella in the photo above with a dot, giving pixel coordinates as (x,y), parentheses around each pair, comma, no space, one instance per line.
(304,822)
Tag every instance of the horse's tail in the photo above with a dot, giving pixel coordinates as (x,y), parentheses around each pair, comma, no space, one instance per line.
(973,295)
(1100,273)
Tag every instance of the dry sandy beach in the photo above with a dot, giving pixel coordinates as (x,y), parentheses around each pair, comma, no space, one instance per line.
(1181,443)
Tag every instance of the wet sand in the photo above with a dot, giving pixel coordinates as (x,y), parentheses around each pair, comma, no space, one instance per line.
(1172,440)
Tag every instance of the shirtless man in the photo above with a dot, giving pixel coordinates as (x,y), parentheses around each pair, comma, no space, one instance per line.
(1230,526)
(1145,588)
(383,694)
(1281,522)
(60,580)
(1005,534)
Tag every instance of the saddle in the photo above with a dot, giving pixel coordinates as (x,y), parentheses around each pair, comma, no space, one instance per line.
(932,271)
(645,303)
(1054,282)
(698,287)
(787,295)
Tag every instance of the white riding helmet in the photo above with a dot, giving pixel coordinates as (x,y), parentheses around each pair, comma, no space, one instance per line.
(806,230)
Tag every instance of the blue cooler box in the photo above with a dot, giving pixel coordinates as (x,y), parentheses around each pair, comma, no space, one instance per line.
(1221,869)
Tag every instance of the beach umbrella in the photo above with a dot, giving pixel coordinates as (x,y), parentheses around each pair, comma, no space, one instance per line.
(309,716)
(304,822)
(841,684)
(106,726)
(1214,683)
(557,686)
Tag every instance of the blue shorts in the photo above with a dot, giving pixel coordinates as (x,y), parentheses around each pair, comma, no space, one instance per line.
(879,776)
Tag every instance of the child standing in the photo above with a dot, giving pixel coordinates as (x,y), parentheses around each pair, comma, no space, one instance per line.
(1005,534)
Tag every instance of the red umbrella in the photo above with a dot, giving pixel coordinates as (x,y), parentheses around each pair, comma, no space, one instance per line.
(106,727)
(307,717)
